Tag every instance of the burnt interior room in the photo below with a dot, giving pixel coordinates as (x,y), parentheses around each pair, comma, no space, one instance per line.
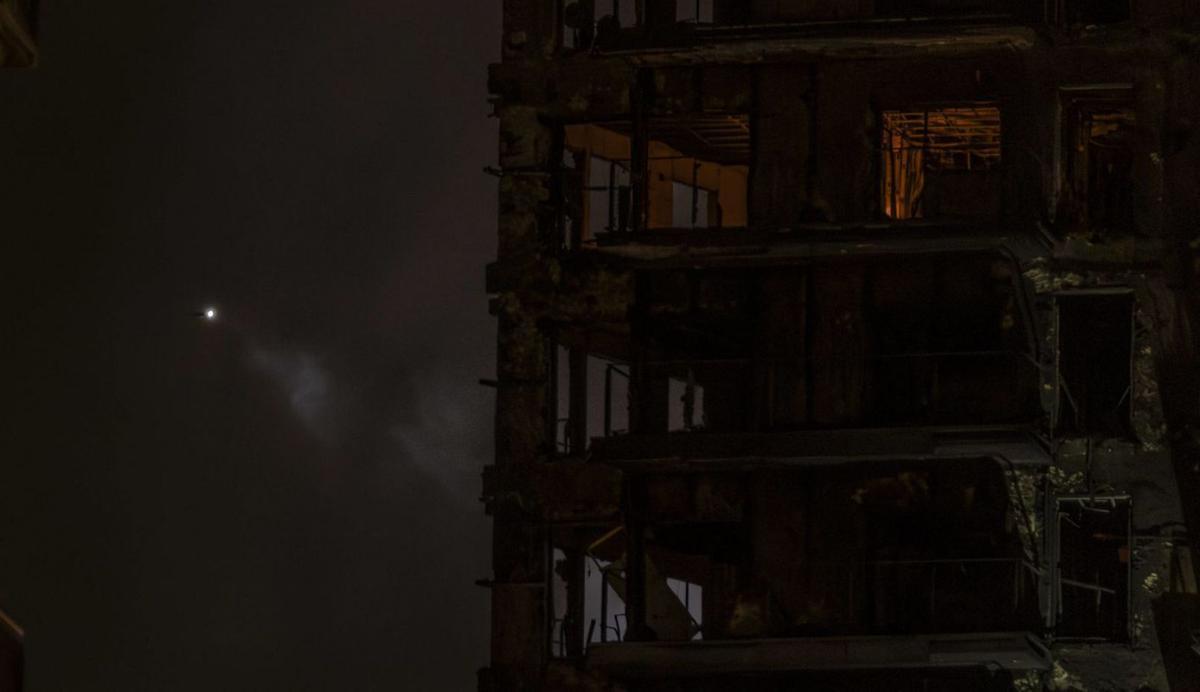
(847,344)
(941,161)
(692,172)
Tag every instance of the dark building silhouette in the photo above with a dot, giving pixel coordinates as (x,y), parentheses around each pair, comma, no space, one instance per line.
(18,21)
(846,345)
(12,655)
(17,49)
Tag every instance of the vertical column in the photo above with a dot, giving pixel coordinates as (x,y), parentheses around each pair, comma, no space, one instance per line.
(640,101)
(519,562)
(783,143)
(660,14)
(576,634)
(635,561)
(531,28)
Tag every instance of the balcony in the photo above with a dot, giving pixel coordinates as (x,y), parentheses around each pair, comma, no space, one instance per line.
(619,25)
(1018,445)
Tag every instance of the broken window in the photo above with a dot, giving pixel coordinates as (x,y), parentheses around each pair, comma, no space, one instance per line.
(941,161)
(604,608)
(1098,161)
(1095,367)
(604,584)
(1093,571)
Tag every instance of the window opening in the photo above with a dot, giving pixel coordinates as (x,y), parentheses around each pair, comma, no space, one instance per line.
(583,20)
(609,397)
(562,398)
(1098,174)
(558,604)
(597,185)
(687,404)
(604,605)
(935,8)
(1093,585)
(937,161)
(694,11)
(699,171)
(1095,351)
(1088,12)
(697,177)
(692,597)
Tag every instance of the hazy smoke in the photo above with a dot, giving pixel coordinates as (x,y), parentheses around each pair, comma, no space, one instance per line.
(441,437)
(307,385)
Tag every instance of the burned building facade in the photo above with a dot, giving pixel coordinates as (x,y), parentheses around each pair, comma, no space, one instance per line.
(846,344)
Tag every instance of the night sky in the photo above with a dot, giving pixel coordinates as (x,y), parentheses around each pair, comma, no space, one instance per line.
(285,499)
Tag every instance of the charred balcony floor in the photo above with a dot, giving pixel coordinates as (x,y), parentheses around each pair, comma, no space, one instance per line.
(1017,445)
(1012,651)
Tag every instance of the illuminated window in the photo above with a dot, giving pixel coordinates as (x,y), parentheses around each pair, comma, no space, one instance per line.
(940,161)
(699,171)
(697,174)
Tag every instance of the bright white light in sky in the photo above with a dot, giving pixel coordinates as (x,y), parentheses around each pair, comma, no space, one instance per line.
(210,314)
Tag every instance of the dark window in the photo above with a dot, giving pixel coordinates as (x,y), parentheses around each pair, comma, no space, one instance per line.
(1095,11)
(929,8)
(586,21)
(1093,567)
(694,11)
(1095,348)
(1098,157)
